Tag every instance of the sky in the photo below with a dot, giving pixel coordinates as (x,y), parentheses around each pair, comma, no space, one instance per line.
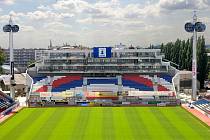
(100,22)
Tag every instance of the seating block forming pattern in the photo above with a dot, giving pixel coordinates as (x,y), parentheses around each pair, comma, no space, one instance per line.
(137,82)
(203,104)
(5,102)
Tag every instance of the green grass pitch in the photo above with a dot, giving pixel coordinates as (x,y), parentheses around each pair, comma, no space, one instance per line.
(104,123)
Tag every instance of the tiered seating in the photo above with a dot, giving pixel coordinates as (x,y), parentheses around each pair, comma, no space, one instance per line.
(43,88)
(165,82)
(102,87)
(66,83)
(130,82)
(5,102)
(102,84)
(162,88)
(138,82)
(139,79)
(166,77)
(102,81)
(37,79)
(40,84)
(56,83)
(203,104)
(145,82)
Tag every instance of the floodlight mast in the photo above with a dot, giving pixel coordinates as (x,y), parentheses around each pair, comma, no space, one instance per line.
(11,28)
(194,61)
(194,27)
(12,80)
(11,48)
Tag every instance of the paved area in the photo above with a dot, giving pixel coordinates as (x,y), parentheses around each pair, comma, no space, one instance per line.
(11,114)
(198,114)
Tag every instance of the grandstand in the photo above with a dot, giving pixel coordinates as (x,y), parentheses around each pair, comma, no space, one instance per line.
(6,103)
(203,104)
(101,73)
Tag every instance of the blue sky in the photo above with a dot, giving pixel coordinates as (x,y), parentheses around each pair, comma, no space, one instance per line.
(100,22)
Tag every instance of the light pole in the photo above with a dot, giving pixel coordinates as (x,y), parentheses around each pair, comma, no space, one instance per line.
(194,61)
(11,28)
(194,27)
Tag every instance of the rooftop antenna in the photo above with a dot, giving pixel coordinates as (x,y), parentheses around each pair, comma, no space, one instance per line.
(50,47)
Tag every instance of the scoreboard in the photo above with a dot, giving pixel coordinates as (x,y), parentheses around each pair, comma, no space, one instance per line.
(102,52)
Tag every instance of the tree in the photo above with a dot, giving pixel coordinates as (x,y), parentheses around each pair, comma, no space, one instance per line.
(31,62)
(209,75)
(2,59)
(180,53)
(202,60)
(189,50)
(162,47)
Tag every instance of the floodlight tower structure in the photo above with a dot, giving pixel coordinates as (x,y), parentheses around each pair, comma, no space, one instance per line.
(194,27)
(194,60)
(11,28)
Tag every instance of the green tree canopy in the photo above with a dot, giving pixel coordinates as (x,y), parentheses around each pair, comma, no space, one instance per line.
(180,52)
(2,59)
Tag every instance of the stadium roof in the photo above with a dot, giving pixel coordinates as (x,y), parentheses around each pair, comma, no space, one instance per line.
(7,68)
(19,79)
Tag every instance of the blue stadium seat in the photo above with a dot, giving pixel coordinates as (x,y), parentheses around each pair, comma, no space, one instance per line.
(136,85)
(5,102)
(166,77)
(67,86)
(202,101)
(36,79)
(102,81)
(203,104)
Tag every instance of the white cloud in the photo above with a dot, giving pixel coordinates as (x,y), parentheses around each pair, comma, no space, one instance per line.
(44,8)
(4,19)
(48,15)
(80,21)
(37,16)
(205,20)
(7,2)
(57,26)
(184,4)
(71,5)
(24,28)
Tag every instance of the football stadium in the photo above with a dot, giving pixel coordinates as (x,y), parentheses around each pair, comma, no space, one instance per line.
(101,93)
(104,93)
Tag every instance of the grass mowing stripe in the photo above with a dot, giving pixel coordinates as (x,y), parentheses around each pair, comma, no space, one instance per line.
(153,125)
(32,130)
(181,124)
(81,125)
(143,123)
(197,127)
(46,129)
(173,132)
(174,119)
(122,130)
(64,128)
(14,121)
(93,129)
(136,124)
(21,127)
(108,130)
(88,123)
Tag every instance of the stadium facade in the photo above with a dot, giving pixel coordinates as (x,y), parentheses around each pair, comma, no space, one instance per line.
(23,57)
(101,76)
